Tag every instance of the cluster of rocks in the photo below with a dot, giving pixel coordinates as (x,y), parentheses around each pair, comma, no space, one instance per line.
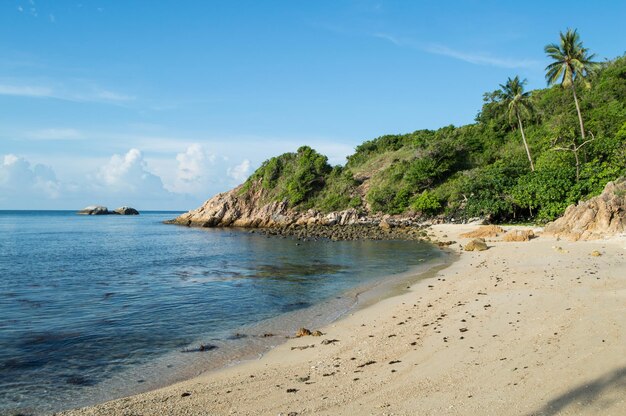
(100,210)
(304,332)
(601,216)
(337,232)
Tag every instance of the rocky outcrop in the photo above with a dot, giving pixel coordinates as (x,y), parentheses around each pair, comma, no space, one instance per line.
(599,217)
(477,244)
(125,211)
(94,210)
(350,232)
(514,236)
(239,208)
(484,231)
(100,210)
(251,206)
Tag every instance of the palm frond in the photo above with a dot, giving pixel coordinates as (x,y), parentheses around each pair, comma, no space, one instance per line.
(554,74)
(571,60)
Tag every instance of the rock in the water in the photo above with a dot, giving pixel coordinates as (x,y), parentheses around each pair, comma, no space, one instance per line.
(477,244)
(126,211)
(599,217)
(94,210)
(519,235)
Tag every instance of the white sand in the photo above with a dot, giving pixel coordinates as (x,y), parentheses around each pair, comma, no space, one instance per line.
(545,335)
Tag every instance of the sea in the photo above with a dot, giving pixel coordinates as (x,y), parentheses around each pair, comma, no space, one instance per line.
(94,308)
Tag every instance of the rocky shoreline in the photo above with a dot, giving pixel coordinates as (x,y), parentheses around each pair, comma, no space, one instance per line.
(385,229)
(249,210)
(348,232)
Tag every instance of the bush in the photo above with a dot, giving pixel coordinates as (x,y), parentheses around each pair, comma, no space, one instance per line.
(427,203)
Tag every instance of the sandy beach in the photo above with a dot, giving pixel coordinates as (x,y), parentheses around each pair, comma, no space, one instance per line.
(528,328)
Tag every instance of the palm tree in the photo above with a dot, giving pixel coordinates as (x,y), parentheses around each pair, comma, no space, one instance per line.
(518,105)
(571,62)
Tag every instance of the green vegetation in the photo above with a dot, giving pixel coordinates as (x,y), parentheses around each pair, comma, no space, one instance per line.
(572,62)
(305,180)
(481,169)
(518,105)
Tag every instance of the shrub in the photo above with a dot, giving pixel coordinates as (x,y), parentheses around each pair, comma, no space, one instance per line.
(427,203)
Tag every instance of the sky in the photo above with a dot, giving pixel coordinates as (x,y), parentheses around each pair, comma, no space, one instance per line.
(160,105)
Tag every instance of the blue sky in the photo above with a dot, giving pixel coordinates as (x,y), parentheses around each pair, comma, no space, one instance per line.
(160,105)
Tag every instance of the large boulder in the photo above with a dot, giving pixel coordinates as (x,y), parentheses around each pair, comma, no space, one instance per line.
(599,217)
(126,211)
(519,235)
(477,244)
(240,208)
(94,210)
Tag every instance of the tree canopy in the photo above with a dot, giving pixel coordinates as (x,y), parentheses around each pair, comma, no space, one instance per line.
(478,169)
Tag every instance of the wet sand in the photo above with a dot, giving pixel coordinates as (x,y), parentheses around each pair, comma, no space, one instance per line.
(530,328)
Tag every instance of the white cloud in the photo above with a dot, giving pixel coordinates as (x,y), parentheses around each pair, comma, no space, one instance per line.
(18,179)
(194,165)
(480,58)
(388,37)
(77,91)
(33,8)
(113,96)
(26,90)
(122,180)
(163,178)
(127,175)
(202,173)
(240,172)
(476,58)
(55,134)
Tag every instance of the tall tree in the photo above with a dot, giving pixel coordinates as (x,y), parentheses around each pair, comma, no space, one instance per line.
(572,61)
(518,105)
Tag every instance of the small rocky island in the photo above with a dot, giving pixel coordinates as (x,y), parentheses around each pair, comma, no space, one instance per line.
(100,210)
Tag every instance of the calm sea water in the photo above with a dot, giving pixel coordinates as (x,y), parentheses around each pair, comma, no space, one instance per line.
(94,308)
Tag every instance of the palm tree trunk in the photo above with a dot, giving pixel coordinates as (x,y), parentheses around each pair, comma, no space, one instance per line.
(577,163)
(580,117)
(521,129)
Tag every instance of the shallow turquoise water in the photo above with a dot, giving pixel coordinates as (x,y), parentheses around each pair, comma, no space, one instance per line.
(92,308)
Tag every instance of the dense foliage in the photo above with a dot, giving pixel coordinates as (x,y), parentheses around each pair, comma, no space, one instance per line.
(305,180)
(480,169)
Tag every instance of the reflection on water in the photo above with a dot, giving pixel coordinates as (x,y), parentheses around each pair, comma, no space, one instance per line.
(97,307)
